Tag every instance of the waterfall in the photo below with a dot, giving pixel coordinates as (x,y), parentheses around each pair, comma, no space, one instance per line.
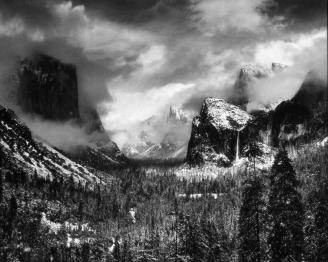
(237,147)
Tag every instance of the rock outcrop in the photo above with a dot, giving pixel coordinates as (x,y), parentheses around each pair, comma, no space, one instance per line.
(49,88)
(216,132)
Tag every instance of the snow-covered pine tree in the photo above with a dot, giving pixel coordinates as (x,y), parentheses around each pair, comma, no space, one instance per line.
(285,210)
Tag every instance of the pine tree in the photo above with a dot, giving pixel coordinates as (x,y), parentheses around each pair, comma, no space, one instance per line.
(12,208)
(285,211)
(252,149)
(197,246)
(251,221)
(85,252)
(80,210)
(1,187)
(321,223)
(317,226)
(12,214)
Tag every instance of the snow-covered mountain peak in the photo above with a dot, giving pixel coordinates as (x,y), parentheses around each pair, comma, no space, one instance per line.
(178,115)
(249,72)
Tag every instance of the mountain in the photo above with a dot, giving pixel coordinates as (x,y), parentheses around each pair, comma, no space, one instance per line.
(24,154)
(304,117)
(177,115)
(223,131)
(169,141)
(248,74)
(217,133)
(48,88)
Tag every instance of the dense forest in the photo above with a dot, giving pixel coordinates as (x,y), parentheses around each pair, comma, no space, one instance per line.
(148,213)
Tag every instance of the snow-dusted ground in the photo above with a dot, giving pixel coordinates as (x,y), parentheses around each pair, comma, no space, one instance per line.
(212,171)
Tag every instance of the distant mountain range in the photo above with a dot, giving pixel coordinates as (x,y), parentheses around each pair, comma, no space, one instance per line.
(162,137)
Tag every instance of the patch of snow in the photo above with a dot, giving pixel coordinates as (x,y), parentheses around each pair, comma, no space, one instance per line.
(323,143)
(197,196)
(132,213)
(51,226)
(4,144)
(224,115)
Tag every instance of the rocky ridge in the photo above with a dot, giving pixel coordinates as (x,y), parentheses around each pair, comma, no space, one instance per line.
(22,153)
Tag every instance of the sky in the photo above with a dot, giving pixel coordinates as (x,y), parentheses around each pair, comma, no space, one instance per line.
(135,58)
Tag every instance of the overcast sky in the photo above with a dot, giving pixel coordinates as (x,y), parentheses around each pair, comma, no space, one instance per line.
(135,58)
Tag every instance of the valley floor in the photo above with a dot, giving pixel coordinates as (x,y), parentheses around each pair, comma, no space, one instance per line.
(149,212)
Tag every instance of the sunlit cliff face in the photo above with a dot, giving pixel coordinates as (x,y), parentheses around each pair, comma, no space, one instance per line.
(136,58)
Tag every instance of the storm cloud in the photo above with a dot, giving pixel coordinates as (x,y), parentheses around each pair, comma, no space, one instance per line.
(135,58)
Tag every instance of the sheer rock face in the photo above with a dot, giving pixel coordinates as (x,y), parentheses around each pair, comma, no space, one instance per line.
(49,88)
(214,132)
(304,117)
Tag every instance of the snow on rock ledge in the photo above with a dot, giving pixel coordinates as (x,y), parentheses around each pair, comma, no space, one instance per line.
(223,115)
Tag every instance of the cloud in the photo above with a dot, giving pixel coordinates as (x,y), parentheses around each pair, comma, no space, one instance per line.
(11,27)
(149,54)
(239,15)
(300,15)
(101,49)
(153,59)
(129,108)
(65,136)
(286,51)
(303,53)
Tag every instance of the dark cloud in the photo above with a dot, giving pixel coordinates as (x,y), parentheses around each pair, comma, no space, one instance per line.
(301,8)
(301,14)
(33,12)
(133,10)
(38,13)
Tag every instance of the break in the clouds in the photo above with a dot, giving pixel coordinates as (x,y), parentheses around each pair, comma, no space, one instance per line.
(136,57)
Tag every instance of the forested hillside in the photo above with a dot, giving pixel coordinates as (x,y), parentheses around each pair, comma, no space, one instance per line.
(150,214)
